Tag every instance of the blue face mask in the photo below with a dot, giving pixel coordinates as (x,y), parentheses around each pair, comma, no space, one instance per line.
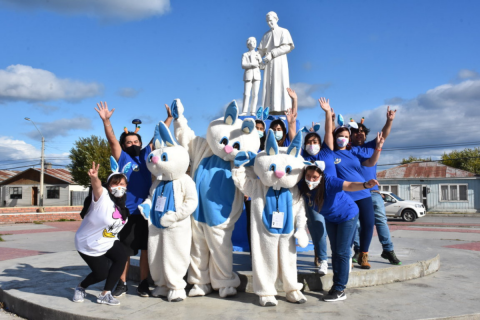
(278,135)
(260,134)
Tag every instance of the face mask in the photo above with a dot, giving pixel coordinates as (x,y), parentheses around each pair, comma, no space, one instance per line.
(118,191)
(313,149)
(133,151)
(342,142)
(278,135)
(312,184)
(260,134)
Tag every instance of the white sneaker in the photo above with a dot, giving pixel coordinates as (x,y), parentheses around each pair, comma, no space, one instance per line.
(107,299)
(79,294)
(323,269)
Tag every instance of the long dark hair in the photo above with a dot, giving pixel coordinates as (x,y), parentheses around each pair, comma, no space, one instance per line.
(262,139)
(320,189)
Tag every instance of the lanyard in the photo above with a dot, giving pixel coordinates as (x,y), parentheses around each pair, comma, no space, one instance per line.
(277,195)
(164,183)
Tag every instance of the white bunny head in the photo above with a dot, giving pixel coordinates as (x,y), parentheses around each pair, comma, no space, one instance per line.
(280,167)
(228,135)
(169,161)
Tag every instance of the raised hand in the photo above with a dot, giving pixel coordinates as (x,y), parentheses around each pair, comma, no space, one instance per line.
(291,115)
(391,114)
(103,111)
(93,172)
(292,94)
(169,112)
(325,104)
(380,140)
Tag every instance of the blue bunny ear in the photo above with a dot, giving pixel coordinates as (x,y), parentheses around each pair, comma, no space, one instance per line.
(307,163)
(126,168)
(248,125)
(265,113)
(166,134)
(259,114)
(296,145)
(174,109)
(157,139)
(271,118)
(320,164)
(271,146)
(305,129)
(231,113)
(340,120)
(316,127)
(113,164)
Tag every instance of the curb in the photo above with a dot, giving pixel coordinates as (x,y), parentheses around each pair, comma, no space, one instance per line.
(357,279)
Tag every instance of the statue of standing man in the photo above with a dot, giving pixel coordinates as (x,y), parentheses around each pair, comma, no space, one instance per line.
(275,45)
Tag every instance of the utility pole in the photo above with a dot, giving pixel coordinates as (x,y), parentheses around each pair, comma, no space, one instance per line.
(42,170)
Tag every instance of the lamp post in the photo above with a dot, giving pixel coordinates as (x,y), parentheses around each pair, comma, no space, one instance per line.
(42,170)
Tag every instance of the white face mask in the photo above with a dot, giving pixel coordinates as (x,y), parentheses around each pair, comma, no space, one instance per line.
(342,142)
(118,191)
(278,135)
(312,184)
(313,149)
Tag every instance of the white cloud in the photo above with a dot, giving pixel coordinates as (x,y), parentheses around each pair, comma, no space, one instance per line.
(104,9)
(61,127)
(467,74)
(128,92)
(19,155)
(447,114)
(304,93)
(24,83)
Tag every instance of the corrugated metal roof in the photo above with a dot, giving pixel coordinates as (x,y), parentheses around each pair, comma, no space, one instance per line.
(5,174)
(423,170)
(62,174)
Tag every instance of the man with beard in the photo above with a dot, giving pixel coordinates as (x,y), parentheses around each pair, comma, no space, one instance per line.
(135,233)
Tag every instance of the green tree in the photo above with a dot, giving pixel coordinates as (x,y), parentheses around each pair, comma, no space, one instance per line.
(84,152)
(414,159)
(467,159)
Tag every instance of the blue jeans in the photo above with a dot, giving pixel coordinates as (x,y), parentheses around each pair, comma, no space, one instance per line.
(380,223)
(341,238)
(316,227)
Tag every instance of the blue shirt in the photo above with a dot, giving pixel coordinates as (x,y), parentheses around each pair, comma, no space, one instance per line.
(349,168)
(325,154)
(370,172)
(337,206)
(140,179)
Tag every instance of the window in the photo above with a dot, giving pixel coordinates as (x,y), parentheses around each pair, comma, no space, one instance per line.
(53,192)
(390,188)
(453,192)
(15,192)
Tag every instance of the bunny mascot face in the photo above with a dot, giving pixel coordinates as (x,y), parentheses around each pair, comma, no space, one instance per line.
(172,199)
(277,216)
(220,202)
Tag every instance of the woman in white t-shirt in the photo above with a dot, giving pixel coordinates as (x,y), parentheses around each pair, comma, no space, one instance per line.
(96,240)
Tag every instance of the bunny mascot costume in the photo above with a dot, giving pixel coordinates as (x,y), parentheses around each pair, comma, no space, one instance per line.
(278,216)
(172,200)
(220,202)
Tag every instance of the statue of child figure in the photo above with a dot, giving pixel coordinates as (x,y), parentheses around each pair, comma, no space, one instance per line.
(251,62)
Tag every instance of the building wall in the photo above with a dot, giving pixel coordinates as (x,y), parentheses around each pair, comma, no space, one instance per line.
(63,200)
(433,197)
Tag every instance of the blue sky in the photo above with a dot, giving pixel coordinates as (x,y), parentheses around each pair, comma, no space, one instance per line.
(59,58)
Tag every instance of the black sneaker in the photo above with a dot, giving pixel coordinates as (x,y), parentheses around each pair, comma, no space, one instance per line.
(143,290)
(120,290)
(335,295)
(355,257)
(392,257)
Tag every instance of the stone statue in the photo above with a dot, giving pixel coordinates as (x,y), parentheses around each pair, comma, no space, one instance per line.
(251,62)
(275,45)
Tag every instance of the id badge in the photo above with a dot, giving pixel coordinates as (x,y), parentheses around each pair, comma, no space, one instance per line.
(277,220)
(160,205)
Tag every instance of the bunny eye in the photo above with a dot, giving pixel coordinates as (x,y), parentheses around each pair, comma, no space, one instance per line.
(224,141)
(288,169)
(164,156)
(150,157)
(273,167)
(236,145)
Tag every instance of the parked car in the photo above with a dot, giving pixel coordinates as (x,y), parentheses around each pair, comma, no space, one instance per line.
(397,207)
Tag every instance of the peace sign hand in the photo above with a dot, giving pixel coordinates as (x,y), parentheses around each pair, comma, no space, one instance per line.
(93,172)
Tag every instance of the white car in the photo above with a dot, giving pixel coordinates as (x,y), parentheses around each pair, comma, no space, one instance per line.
(397,207)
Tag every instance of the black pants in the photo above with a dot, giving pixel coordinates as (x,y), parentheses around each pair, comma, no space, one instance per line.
(108,266)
